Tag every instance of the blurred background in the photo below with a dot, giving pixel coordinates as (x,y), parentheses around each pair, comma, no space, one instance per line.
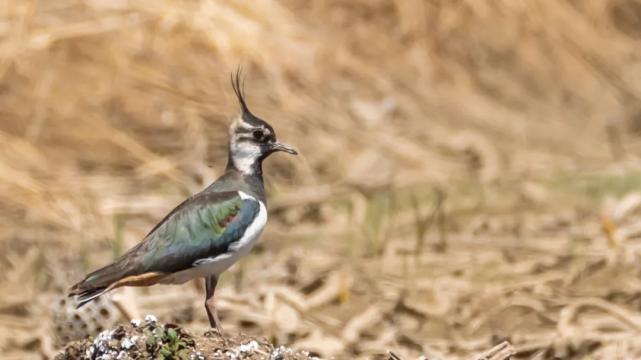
(468,170)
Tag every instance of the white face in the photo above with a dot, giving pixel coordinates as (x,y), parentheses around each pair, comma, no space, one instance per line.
(245,155)
(249,144)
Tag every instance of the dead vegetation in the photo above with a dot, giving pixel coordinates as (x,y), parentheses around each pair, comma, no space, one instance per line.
(525,116)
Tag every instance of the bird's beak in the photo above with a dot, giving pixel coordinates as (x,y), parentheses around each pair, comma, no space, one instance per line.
(279,146)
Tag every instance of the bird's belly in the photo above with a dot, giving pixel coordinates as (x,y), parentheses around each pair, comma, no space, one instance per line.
(216,267)
(212,266)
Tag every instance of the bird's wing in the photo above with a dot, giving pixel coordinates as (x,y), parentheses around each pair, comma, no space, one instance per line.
(203,226)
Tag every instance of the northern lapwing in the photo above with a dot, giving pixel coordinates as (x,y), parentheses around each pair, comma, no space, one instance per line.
(208,232)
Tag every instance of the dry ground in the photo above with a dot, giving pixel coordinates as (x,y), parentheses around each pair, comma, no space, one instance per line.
(153,340)
(468,169)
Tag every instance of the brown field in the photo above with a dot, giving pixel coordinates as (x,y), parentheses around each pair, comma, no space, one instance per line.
(468,170)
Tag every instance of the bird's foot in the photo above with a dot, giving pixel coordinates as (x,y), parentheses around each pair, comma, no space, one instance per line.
(215,332)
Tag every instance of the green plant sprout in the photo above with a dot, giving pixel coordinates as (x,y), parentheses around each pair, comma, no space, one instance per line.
(169,344)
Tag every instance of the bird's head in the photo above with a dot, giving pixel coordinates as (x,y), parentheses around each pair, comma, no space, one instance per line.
(251,139)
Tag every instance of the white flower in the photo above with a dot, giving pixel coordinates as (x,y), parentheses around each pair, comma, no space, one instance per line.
(135,322)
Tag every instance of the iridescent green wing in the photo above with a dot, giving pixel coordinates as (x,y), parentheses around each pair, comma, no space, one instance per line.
(204,226)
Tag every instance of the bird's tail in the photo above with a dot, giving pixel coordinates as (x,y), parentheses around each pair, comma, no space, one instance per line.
(96,284)
(125,271)
(89,295)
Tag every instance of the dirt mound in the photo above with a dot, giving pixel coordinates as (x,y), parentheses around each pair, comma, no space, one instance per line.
(152,340)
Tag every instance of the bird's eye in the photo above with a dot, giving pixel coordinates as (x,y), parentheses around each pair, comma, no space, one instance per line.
(258,134)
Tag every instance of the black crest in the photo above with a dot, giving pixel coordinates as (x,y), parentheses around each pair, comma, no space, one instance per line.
(239,90)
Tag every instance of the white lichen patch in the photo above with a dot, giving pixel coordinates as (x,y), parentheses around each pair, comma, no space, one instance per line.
(198,356)
(151,320)
(249,347)
(280,352)
(102,337)
(128,343)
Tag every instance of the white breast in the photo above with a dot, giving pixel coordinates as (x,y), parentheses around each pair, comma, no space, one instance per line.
(217,265)
(246,243)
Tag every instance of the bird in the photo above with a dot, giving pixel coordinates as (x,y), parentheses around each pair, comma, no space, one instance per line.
(208,232)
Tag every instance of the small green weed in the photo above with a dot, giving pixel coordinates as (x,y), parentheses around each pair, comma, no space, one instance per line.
(169,343)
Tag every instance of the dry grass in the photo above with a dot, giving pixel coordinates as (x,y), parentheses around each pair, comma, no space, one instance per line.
(113,111)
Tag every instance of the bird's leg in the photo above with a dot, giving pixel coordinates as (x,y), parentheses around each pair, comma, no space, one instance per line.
(210,305)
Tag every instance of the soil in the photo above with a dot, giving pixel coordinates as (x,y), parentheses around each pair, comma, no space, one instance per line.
(152,340)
